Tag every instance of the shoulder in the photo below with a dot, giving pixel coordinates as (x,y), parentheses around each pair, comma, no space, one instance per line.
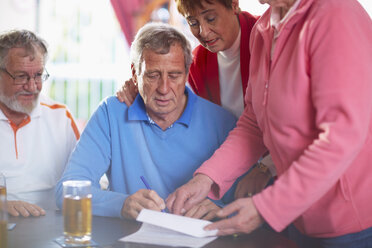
(335,18)
(212,111)
(200,54)
(52,107)
(57,115)
(212,118)
(112,102)
(202,58)
(248,16)
(348,9)
(47,102)
(109,108)
(199,50)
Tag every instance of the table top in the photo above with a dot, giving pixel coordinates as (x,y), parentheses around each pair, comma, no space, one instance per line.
(41,231)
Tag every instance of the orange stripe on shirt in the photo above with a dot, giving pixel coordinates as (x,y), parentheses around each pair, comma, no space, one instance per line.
(15,128)
(68,114)
(73,125)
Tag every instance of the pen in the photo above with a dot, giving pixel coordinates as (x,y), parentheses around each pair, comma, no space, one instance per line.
(148,187)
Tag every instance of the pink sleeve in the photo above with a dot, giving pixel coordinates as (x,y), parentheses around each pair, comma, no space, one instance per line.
(242,148)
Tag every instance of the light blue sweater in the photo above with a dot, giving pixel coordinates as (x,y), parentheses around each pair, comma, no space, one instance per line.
(123,143)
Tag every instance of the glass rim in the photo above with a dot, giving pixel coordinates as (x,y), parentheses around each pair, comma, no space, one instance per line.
(76,183)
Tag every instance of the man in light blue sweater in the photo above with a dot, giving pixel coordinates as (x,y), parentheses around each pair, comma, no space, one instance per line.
(165,135)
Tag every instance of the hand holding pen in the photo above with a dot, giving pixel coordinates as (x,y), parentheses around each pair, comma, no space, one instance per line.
(143,198)
(149,188)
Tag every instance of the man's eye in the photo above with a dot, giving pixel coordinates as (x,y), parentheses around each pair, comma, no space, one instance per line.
(174,76)
(21,77)
(152,76)
(38,75)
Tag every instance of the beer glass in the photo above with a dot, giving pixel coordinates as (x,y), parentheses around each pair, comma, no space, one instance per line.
(77,212)
(3,222)
(2,185)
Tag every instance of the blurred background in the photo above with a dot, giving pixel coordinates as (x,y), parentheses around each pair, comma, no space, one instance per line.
(89,41)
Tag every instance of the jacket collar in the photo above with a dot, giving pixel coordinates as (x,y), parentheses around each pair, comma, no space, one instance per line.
(263,24)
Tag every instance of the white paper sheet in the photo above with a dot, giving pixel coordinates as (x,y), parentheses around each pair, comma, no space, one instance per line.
(151,234)
(182,224)
(171,230)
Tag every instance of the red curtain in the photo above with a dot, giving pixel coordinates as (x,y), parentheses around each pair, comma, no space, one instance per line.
(126,11)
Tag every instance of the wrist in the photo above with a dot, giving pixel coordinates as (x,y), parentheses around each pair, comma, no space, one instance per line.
(204,179)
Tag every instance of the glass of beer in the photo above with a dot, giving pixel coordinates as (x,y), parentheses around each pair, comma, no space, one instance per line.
(2,185)
(77,212)
(3,222)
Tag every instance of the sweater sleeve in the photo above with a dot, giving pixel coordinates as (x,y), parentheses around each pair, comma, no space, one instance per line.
(242,148)
(90,161)
(340,59)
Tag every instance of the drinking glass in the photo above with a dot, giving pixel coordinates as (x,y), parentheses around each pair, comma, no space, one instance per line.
(77,212)
(3,222)
(2,185)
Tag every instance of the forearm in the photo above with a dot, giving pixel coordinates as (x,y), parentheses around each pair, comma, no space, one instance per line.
(236,155)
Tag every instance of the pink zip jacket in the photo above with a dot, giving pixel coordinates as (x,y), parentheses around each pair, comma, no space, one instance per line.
(311,107)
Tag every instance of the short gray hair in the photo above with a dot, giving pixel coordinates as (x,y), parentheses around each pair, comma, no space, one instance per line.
(21,39)
(158,37)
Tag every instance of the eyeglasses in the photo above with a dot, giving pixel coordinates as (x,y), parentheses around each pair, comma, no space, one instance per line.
(25,78)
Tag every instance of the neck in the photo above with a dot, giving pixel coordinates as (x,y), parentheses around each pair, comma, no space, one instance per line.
(236,28)
(284,7)
(13,116)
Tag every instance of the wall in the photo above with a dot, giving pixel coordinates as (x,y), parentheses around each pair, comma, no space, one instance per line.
(20,14)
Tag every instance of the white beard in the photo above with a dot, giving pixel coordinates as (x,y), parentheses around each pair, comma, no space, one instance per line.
(13,104)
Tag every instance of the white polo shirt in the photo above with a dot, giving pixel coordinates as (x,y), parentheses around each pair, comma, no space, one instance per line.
(34,154)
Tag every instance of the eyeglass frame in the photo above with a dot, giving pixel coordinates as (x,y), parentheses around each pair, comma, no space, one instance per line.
(43,77)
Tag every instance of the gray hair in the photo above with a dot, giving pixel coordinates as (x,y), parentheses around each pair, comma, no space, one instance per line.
(158,37)
(21,39)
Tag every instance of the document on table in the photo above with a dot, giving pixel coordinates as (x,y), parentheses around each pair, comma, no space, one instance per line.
(171,230)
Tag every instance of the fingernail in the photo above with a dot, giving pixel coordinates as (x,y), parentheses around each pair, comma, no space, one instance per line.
(183,211)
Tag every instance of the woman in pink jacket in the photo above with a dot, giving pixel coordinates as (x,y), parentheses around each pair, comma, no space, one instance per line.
(309,102)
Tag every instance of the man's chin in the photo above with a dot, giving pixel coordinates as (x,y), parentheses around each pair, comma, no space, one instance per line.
(16,106)
(23,108)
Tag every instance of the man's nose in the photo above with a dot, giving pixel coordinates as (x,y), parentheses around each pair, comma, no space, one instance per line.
(163,87)
(31,85)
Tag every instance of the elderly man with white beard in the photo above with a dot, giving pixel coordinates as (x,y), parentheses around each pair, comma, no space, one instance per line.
(37,134)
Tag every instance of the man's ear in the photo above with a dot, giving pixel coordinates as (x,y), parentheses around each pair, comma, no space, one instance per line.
(134,75)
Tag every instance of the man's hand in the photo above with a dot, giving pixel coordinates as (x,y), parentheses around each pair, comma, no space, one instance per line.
(205,210)
(16,208)
(189,194)
(128,92)
(246,219)
(252,183)
(143,198)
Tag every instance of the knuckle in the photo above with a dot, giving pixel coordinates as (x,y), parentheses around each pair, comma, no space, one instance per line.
(151,205)
(203,208)
(152,193)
